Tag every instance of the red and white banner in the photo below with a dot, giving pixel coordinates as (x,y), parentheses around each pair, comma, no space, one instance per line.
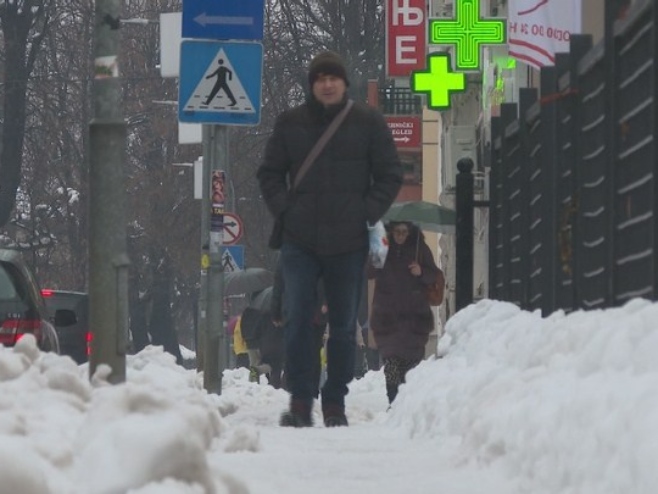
(538,29)
(406,38)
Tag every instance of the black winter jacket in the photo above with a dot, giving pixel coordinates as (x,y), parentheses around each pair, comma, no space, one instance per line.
(353,181)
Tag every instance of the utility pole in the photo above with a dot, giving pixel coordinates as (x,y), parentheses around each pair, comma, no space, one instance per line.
(238,67)
(108,259)
(202,321)
(214,166)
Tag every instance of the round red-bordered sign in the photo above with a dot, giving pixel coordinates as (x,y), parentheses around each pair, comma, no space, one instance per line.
(232,229)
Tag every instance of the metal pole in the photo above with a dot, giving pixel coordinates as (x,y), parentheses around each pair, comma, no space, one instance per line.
(215,354)
(464,235)
(108,259)
(228,354)
(205,261)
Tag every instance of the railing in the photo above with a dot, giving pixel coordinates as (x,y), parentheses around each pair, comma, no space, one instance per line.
(399,101)
(573,184)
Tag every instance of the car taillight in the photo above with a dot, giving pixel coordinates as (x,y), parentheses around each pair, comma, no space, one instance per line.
(47,292)
(13,330)
(88,337)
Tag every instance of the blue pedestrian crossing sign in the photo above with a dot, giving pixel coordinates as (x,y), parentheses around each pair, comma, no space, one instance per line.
(220,82)
(233,258)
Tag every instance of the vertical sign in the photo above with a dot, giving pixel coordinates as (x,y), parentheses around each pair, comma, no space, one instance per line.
(406,38)
(170,39)
(217,202)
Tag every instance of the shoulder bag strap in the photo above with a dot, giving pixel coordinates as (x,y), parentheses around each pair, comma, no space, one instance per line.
(322,142)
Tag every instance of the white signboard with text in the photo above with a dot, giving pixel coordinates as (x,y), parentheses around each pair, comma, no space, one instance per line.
(536,31)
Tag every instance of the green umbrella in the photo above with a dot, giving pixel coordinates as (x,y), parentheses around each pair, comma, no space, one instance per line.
(262,300)
(247,281)
(427,215)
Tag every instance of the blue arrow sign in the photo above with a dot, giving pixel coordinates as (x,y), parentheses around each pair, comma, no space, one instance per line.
(223,19)
(220,82)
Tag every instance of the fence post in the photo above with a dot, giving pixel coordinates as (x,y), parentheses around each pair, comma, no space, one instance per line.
(614,9)
(579,45)
(494,206)
(508,113)
(548,84)
(464,235)
(564,187)
(527,97)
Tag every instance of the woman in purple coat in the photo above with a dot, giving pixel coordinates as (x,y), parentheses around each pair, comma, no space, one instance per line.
(401,316)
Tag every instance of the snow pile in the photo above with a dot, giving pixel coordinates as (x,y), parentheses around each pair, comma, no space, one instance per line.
(568,404)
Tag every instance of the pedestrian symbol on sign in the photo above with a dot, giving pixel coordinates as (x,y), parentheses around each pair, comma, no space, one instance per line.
(221,73)
(228,263)
(214,93)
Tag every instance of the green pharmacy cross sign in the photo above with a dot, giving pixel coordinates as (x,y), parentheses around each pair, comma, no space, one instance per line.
(468,33)
(439,82)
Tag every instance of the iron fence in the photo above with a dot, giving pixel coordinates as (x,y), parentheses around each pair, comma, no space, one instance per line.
(573,193)
(399,101)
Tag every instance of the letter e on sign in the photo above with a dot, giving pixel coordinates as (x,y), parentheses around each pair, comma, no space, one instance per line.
(406,27)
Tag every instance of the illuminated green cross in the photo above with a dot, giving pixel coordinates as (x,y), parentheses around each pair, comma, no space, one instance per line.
(468,33)
(439,82)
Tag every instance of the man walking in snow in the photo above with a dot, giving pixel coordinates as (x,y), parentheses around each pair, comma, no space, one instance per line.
(324,227)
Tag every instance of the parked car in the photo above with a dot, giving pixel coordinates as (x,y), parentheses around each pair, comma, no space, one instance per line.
(70,312)
(22,309)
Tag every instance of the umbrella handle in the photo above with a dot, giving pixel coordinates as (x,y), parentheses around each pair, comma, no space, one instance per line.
(417,242)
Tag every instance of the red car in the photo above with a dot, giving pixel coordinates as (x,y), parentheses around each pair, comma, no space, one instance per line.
(22,309)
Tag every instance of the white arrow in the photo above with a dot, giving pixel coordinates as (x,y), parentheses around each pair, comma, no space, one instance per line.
(204,19)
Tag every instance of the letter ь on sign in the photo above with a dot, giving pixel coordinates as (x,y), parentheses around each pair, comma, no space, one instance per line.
(406,38)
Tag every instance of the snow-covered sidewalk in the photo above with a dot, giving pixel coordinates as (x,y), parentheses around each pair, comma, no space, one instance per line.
(517,404)
(367,456)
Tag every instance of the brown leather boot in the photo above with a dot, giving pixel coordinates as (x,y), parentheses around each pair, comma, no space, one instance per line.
(299,414)
(334,415)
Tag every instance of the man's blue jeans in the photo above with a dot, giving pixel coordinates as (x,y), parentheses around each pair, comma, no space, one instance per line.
(342,276)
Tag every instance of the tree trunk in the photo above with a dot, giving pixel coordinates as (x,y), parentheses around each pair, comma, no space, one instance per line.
(161,324)
(15,28)
(18,20)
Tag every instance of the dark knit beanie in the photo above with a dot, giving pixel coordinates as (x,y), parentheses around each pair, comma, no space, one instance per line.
(327,63)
